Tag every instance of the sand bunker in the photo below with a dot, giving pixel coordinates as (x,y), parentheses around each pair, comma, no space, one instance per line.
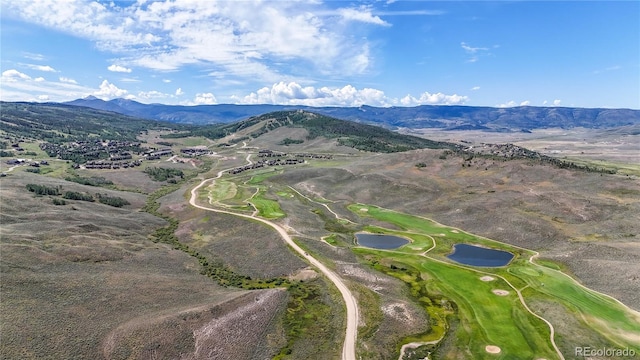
(487,278)
(500,292)
(492,349)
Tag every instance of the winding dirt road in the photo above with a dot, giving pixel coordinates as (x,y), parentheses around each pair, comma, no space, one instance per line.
(349,347)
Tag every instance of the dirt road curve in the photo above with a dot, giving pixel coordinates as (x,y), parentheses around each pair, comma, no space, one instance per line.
(349,348)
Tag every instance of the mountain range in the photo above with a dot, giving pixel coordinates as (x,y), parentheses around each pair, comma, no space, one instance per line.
(522,118)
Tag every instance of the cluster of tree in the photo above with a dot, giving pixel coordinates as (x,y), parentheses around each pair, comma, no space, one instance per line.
(43,189)
(112,200)
(92,181)
(288,141)
(75,195)
(162,174)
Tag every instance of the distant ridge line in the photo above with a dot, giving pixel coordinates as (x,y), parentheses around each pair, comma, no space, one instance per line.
(451,117)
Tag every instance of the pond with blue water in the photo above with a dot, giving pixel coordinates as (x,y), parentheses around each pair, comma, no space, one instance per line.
(380,241)
(479,256)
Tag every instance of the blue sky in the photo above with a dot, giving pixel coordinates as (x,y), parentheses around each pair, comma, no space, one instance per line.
(323,53)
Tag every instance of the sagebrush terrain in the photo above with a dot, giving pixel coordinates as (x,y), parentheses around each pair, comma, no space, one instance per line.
(159,278)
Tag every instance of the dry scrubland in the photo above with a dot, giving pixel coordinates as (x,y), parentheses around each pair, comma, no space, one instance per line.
(83,281)
(247,247)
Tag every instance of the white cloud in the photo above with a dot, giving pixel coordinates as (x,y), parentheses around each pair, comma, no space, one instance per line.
(118,68)
(475,52)
(293,93)
(16,86)
(472,50)
(525,103)
(433,99)
(475,88)
(166,81)
(179,92)
(110,91)
(204,99)
(556,102)
(33,56)
(362,14)
(45,68)
(67,80)
(507,104)
(14,75)
(153,94)
(43,97)
(251,39)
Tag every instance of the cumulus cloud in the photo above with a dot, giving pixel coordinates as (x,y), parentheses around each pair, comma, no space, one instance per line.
(556,102)
(433,99)
(109,91)
(17,86)
(179,91)
(292,93)
(14,75)
(204,99)
(118,68)
(510,103)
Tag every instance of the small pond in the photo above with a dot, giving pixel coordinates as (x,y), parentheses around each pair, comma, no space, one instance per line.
(380,241)
(479,256)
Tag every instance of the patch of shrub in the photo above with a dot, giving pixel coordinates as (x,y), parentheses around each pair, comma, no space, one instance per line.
(42,189)
(74,195)
(57,201)
(92,181)
(162,174)
(288,141)
(112,200)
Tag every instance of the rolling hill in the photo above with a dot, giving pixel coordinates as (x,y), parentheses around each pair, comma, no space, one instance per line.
(522,118)
(348,133)
(57,123)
